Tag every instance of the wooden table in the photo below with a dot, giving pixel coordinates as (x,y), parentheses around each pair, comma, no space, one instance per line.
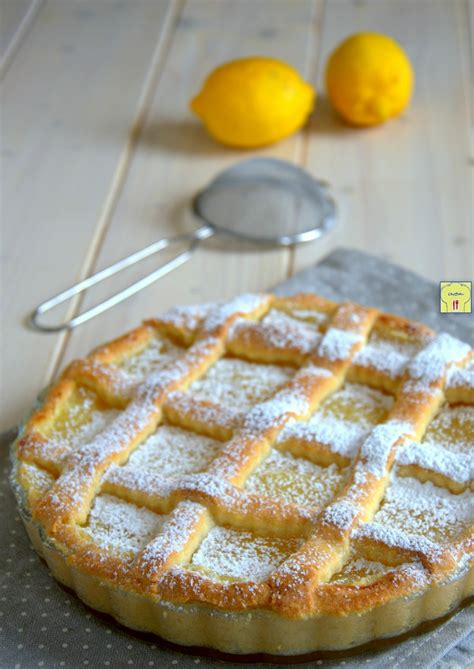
(101,155)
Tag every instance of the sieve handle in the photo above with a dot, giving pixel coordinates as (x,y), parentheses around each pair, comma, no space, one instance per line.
(34,319)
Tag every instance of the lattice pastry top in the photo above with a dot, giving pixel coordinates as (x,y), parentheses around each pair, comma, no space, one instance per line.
(286,454)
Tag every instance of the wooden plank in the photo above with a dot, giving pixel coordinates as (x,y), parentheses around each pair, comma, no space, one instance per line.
(175,158)
(69,99)
(404,190)
(12,15)
(468,27)
(16,19)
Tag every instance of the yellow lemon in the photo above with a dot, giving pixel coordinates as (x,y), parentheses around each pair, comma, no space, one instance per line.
(369,79)
(253,101)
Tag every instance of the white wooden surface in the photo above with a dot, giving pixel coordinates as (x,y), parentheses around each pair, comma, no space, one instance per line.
(100,154)
(17,16)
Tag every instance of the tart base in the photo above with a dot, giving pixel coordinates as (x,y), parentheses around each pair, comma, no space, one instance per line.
(258,632)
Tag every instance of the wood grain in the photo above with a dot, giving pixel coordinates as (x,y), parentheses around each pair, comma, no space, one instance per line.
(16,18)
(404,189)
(69,100)
(12,13)
(174,158)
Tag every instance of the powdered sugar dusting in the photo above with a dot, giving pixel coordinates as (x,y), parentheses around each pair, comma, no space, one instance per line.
(280,331)
(337,344)
(312,316)
(420,386)
(187,317)
(173,452)
(290,401)
(295,480)
(238,384)
(387,355)
(137,480)
(375,450)
(242,304)
(395,538)
(452,429)
(233,555)
(121,383)
(39,480)
(179,369)
(461,376)
(210,485)
(340,436)
(425,510)
(343,419)
(432,362)
(382,357)
(359,570)
(81,421)
(117,436)
(314,370)
(457,467)
(84,464)
(356,403)
(204,411)
(121,527)
(175,534)
(159,353)
(342,514)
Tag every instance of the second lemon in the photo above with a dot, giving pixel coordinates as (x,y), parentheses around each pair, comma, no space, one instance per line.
(254,101)
(369,79)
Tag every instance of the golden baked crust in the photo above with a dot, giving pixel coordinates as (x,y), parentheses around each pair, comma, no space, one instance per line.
(314,499)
